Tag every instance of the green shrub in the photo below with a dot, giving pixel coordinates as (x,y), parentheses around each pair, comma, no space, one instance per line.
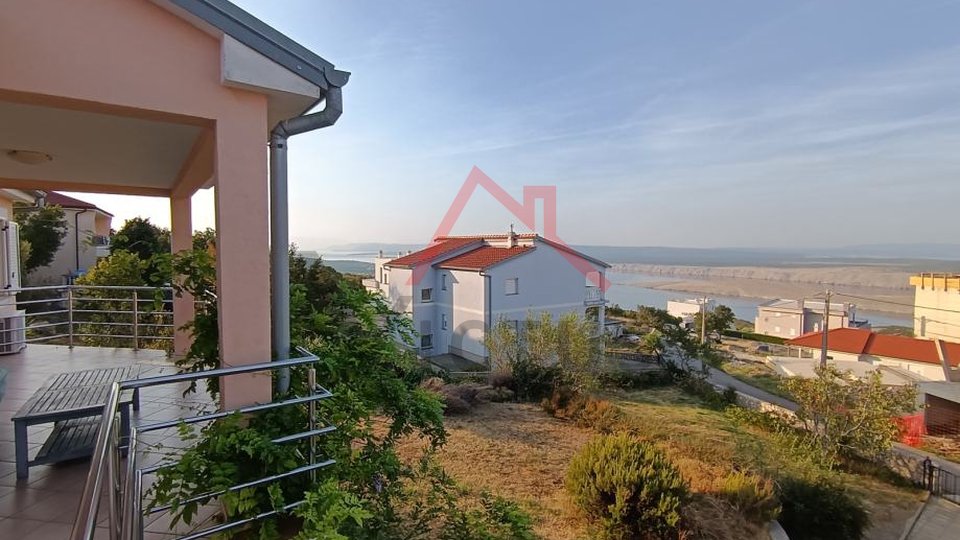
(754,496)
(820,510)
(627,488)
(636,381)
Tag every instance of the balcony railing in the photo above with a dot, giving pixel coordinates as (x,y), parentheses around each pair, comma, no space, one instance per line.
(113,316)
(126,514)
(593,296)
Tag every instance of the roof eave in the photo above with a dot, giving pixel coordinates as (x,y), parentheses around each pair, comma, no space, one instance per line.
(263,38)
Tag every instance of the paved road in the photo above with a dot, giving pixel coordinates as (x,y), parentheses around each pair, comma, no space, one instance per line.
(725,380)
(939,520)
(722,379)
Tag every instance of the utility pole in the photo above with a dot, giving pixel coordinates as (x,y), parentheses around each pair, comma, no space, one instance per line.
(703,320)
(825,327)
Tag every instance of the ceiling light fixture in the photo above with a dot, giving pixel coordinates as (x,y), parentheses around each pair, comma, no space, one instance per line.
(29,157)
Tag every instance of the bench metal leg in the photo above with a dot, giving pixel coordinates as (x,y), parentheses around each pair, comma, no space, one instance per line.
(136,399)
(20,435)
(124,425)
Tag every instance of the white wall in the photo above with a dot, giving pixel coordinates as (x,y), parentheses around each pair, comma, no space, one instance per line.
(65,260)
(933,372)
(936,314)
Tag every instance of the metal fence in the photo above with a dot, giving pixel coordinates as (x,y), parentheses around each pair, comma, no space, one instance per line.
(940,481)
(104,316)
(124,487)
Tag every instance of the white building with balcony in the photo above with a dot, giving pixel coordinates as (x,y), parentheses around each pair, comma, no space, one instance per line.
(459,286)
(87,240)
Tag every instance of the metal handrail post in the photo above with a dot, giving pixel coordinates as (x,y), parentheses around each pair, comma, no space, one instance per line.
(86,522)
(113,482)
(312,420)
(136,318)
(70,313)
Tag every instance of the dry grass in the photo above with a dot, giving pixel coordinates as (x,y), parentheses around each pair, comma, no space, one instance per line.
(517,451)
(520,452)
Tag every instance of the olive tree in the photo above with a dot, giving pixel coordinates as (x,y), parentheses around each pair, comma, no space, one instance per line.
(850,415)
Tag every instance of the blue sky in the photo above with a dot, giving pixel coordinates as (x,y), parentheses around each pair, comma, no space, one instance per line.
(661,123)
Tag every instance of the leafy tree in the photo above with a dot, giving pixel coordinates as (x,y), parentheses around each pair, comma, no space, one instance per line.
(849,415)
(718,320)
(205,239)
(654,318)
(44,230)
(544,350)
(149,242)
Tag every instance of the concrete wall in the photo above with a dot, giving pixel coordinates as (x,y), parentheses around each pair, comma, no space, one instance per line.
(464,304)
(790,323)
(929,322)
(931,372)
(81,227)
(135,59)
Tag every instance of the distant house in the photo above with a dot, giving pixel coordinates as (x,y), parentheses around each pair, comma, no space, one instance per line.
(87,239)
(686,310)
(925,359)
(793,318)
(458,287)
(936,306)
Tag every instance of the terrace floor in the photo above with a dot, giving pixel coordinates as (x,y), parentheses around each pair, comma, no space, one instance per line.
(44,505)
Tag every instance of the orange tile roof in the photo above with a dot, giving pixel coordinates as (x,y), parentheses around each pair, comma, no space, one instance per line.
(440,246)
(66,201)
(848,340)
(484,257)
(858,341)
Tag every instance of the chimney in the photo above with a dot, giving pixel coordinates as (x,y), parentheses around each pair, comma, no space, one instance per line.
(380,254)
(511,238)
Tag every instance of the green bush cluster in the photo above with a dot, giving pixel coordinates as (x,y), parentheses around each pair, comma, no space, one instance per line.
(626,380)
(627,488)
(821,509)
(752,495)
(754,337)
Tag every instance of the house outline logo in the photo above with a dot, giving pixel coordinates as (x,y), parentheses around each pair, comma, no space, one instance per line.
(526,212)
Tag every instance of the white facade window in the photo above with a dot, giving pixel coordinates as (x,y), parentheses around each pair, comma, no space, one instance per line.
(776,329)
(443,321)
(386,277)
(426,341)
(426,295)
(793,331)
(443,282)
(511,286)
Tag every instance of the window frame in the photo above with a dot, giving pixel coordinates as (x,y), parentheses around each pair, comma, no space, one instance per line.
(516,286)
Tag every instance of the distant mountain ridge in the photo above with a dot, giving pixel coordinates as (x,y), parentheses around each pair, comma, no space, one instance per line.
(929,257)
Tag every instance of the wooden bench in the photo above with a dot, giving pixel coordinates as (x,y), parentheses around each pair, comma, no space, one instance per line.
(73,402)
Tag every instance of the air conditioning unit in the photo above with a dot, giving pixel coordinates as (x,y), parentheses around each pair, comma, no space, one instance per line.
(13,335)
(9,256)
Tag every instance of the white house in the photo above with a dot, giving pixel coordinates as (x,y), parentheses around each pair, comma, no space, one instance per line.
(459,286)
(925,360)
(87,240)
(686,310)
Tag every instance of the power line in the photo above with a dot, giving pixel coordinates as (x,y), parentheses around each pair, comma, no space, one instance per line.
(895,303)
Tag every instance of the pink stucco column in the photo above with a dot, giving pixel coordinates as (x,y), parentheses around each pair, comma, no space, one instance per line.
(181,239)
(243,251)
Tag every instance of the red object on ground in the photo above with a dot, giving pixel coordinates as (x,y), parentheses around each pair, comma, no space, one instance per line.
(912,429)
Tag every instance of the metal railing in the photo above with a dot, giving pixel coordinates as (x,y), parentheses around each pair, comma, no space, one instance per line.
(117,316)
(593,295)
(941,482)
(125,510)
